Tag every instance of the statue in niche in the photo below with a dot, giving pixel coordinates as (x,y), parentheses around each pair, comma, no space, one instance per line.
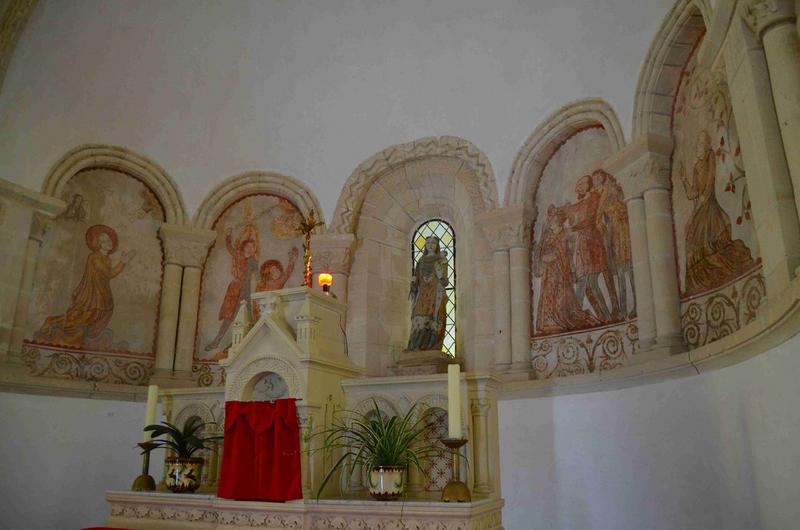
(558,309)
(429,299)
(92,304)
(713,257)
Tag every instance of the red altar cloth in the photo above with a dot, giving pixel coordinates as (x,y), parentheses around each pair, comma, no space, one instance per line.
(261,461)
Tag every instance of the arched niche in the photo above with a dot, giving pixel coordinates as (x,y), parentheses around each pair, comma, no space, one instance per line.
(242,384)
(93,313)
(398,190)
(252,183)
(537,150)
(99,156)
(264,208)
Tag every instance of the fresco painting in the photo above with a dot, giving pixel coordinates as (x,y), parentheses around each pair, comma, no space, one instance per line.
(97,286)
(713,218)
(257,249)
(582,274)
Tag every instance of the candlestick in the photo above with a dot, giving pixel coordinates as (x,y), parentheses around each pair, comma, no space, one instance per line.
(145,482)
(150,412)
(454,401)
(455,490)
(306,227)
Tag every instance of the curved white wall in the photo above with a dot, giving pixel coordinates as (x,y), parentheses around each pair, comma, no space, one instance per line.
(309,89)
(719,450)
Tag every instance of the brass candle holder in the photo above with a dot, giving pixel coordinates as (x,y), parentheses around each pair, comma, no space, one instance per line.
(145,482)
(455,490)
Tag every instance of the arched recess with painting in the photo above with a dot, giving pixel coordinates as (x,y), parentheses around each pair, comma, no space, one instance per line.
(94,306)
(583,302)
(255,216)
(383,202)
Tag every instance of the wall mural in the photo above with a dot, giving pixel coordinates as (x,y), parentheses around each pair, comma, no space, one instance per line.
(720,274)
(257,249)
(94,306)
(581,263)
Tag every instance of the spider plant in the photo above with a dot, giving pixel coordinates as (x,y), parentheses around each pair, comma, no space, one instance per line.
(371,440)
(184,442)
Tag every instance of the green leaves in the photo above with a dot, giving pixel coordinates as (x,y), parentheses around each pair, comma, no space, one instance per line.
(371,440)
(184,442)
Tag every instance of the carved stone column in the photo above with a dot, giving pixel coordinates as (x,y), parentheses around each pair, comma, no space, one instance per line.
(642,281)
(773,22)
(189,248)
(332,253)
(769,184)
(482,484)
(39,224)
(642,169)
(508,232)
(183,246)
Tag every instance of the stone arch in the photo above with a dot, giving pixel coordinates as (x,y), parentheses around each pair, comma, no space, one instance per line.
(253,182)
(200,410)
(533,156)
(240,385)
(385,404)
(91,156)
(476,174)
(663,66)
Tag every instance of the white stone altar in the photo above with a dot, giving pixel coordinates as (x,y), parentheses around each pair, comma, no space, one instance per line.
(296,348)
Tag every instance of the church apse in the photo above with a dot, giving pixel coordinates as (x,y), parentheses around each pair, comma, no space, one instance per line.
(257,249)
(720,276)
(94,305)
(583,299)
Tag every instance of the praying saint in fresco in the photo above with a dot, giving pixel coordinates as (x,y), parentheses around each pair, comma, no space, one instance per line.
(244,266)
(92,303)
(559,309)
(713,257)
(429,298)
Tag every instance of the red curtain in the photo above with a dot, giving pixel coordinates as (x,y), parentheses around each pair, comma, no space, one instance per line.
(261,461)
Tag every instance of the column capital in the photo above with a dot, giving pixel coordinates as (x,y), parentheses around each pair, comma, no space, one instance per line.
(760,15)
(479,406)
(642,165)
(332,252)
(184,245)
(508,227)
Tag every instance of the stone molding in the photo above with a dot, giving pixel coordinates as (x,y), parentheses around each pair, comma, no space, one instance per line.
(99,156)
(44,204)
(332,252)
(760,15)
(663,65)
(235,388)
(480,184)
(532,157)
(642,165)
(508,227)
(250,183)
(168,510)
(479,406)
(185,246)
(12,24)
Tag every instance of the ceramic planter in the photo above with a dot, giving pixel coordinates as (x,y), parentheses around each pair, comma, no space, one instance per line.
(386,482)
(183,474)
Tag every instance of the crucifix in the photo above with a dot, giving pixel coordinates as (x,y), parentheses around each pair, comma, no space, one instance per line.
(306,227)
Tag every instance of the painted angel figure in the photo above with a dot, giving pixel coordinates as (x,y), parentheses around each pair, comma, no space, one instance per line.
(428,296)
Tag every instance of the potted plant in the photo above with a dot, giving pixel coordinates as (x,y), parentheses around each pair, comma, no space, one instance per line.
(385,448)
(183,469)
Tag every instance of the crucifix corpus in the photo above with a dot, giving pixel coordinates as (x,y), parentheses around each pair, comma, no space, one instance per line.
(306,227)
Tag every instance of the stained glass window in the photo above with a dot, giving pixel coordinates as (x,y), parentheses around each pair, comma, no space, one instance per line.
(447,243)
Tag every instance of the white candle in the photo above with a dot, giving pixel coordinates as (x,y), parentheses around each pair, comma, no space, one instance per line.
(150,412)
(454,401)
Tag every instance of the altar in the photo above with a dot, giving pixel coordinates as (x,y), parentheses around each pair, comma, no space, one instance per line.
(166,511)
(295,349)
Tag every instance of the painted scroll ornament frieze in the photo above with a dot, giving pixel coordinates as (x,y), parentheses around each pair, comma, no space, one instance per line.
(100,368)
